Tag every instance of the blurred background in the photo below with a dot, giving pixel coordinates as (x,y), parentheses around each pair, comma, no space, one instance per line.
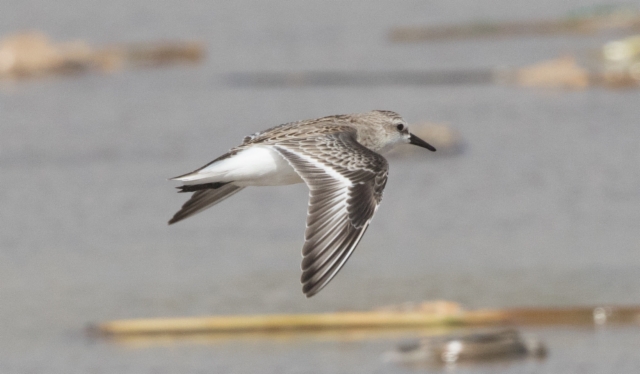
(536,202)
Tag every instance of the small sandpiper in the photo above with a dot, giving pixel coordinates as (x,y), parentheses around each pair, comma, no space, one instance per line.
(338,157)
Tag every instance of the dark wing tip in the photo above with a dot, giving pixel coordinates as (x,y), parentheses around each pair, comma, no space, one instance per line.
(318,277)
(203,199)
(311,289)
(309,294)
(174,219)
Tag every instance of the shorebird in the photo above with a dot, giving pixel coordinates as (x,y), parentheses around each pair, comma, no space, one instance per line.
(338,157)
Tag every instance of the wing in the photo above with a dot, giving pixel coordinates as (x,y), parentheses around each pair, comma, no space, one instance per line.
(204,199)
(346,181)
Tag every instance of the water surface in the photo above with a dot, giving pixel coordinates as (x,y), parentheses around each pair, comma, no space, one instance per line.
(542,209)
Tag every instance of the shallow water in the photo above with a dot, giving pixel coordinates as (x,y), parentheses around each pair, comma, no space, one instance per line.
(542,208)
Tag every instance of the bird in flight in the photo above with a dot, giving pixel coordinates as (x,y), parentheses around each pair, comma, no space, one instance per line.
(338,157)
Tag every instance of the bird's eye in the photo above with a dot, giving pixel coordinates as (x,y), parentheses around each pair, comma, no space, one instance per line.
(400,127)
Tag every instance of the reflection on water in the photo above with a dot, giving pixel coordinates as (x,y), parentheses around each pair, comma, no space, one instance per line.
(467,347)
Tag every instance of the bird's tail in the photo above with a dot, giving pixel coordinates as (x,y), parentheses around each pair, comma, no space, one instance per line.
(203,199)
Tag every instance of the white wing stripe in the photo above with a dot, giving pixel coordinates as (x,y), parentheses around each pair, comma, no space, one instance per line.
(344,194)
(326,168)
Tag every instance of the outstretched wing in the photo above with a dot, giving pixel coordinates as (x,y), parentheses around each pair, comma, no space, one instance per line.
(204,199)
(346,181)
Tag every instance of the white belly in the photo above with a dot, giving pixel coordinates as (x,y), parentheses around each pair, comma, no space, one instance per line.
(263,166)
(254,166)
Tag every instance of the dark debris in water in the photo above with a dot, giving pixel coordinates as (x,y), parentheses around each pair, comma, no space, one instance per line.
(475,346)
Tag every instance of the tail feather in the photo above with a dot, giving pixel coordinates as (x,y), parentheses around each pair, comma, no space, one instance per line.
(198,187)
(203,199)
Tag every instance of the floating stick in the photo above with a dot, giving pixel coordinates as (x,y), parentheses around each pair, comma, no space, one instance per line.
(371,320)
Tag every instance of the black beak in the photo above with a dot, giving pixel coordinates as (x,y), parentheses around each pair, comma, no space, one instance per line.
(420,143)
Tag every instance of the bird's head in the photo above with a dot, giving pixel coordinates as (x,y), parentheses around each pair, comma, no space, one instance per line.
(384,129)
